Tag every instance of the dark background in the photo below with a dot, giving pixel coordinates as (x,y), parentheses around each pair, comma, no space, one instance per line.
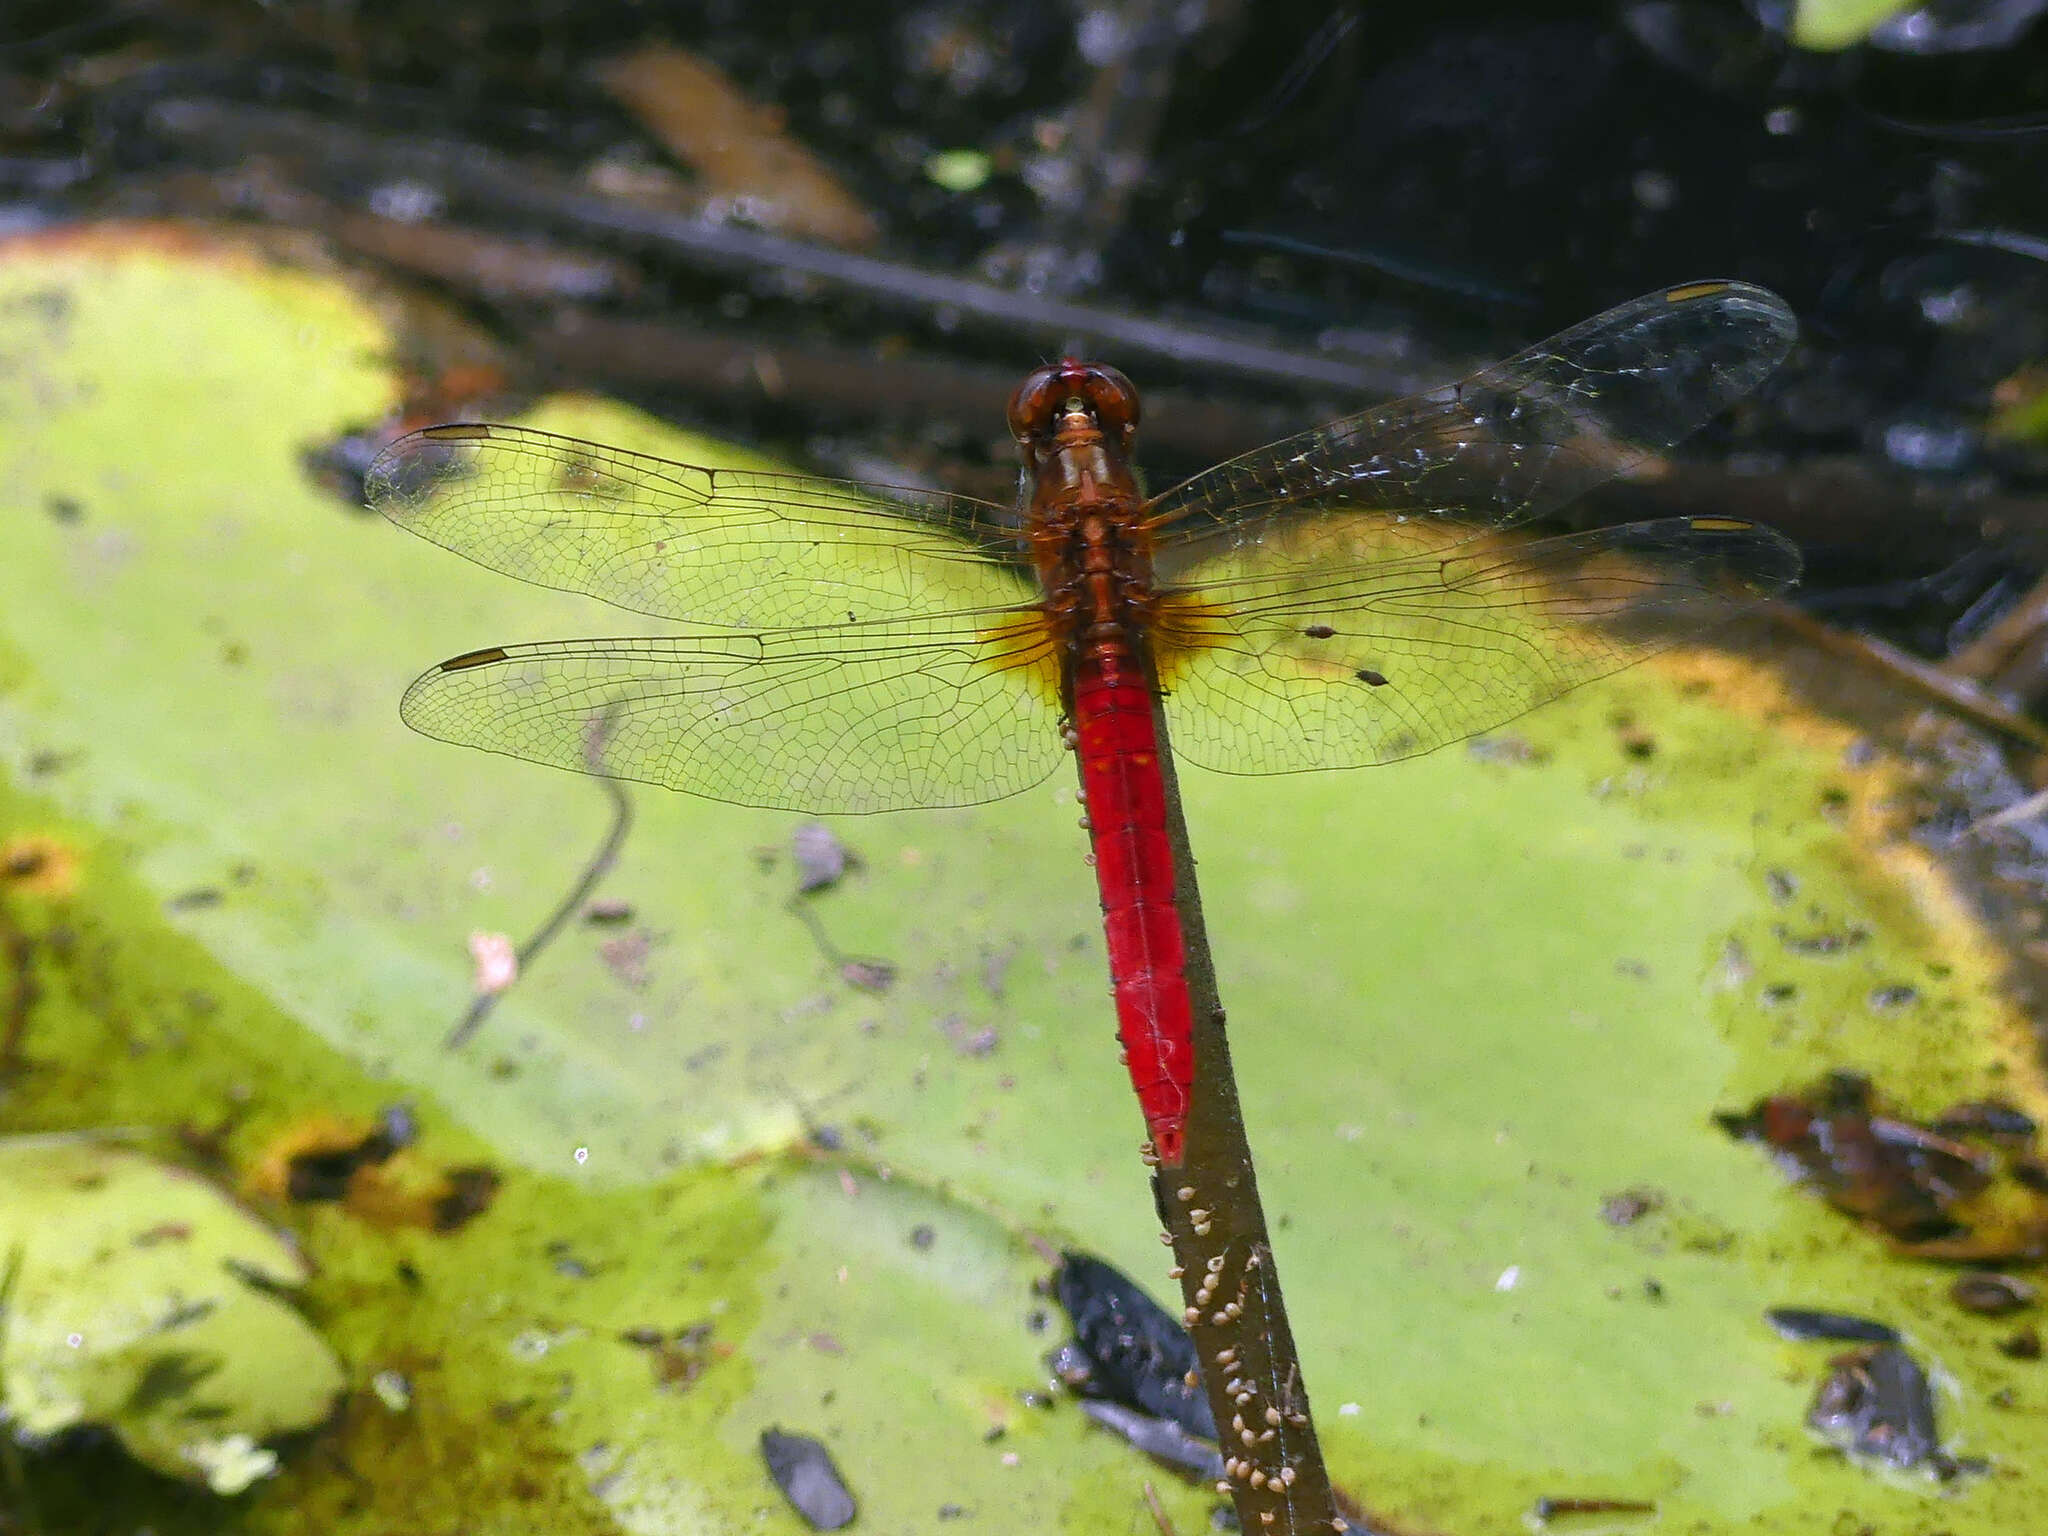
(1401,192)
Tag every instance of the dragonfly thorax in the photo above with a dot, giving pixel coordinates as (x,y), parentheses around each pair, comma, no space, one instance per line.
(1082,512)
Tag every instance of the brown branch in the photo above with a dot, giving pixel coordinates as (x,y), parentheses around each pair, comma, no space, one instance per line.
(1224,1257)
(1985,657)
(852,381)
(1957,694)
(1160,1519)
(500,186)
(1828,503)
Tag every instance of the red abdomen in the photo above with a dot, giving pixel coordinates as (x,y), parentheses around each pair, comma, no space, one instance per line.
(1126,802)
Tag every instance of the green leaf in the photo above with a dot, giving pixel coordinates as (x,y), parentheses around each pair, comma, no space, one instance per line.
(1470,996)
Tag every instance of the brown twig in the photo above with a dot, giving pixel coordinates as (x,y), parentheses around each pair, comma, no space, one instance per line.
(816,376)
(2010,659)
(1982,659)
(1229,1278)
(1954,693)
(1160,1519)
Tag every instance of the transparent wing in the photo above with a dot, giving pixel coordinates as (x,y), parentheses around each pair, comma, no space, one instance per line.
(950,710)
(1512,442)
(709,546)
(1352,640)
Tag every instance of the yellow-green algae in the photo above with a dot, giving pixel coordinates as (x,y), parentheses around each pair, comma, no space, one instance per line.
(1471,996)
(530,1397)
(1833,24)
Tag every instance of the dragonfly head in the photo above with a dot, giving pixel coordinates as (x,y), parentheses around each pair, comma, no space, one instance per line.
(1072,394)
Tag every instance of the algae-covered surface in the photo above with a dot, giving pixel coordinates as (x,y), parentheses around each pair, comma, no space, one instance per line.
(1471,996)
(133,1304)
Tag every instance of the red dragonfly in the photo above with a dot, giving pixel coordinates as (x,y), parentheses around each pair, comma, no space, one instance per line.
(1343,597)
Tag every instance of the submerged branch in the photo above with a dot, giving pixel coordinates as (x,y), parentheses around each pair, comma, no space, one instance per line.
(484,183)
(600,864)
(20,1000)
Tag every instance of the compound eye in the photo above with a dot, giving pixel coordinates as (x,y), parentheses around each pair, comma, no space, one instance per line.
(1037,401)
(1112,397)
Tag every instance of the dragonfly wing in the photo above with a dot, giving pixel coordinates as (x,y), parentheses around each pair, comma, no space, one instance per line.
(1364,640)
(844,719)
(1511,443)
(710,546)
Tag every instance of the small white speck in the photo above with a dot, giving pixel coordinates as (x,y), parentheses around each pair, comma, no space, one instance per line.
(531,1344)
(1012,1459)
(1348,1411)
(75,1340)
(1509,1278)
(392,1390)
(583,1154)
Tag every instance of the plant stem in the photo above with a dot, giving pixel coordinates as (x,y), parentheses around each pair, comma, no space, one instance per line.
(1229,1280)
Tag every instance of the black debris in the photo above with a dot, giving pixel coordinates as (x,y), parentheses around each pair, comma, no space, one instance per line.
(1137,1355)
(820,857)
(1159,1438)
(1801,1324)
(1991,1295)
(804,1471)
(1877,1403)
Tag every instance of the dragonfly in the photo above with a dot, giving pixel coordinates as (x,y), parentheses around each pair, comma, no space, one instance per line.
(1353,595)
